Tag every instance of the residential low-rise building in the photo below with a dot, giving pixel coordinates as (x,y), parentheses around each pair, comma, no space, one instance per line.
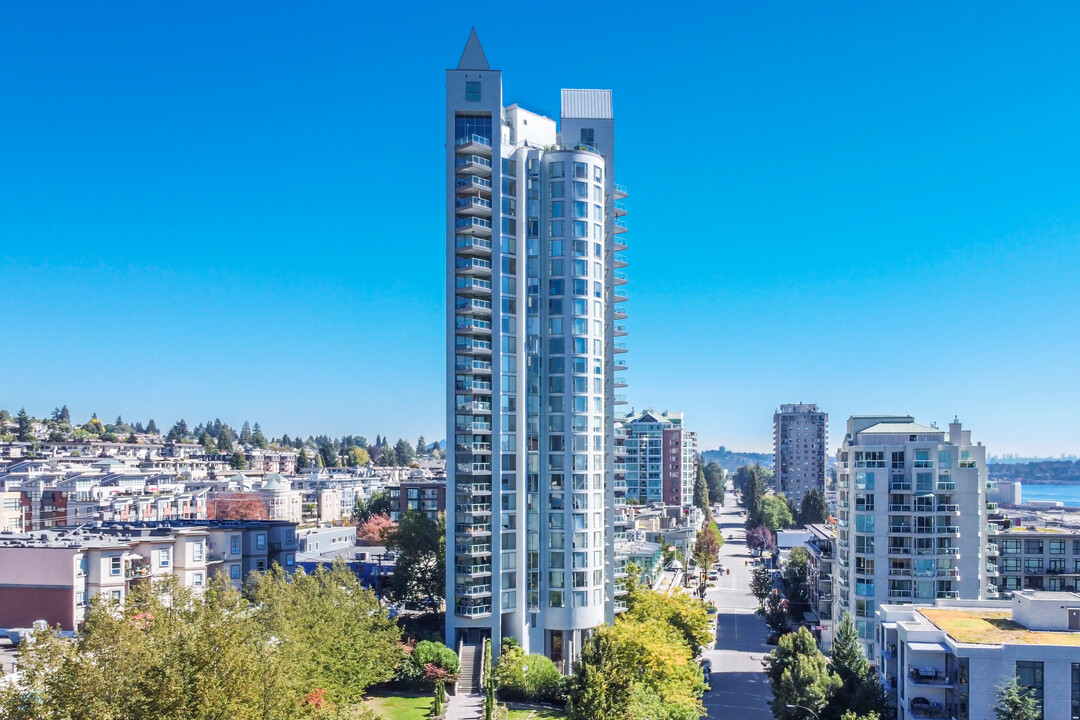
(1029,558)
(820,556)
(947,660)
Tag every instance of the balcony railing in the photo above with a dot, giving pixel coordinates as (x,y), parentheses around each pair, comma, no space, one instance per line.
(472,610)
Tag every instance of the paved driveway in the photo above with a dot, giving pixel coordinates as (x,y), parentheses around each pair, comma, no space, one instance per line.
(740,690)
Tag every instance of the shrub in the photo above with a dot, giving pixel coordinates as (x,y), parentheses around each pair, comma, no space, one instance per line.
(542,681)
(429,662)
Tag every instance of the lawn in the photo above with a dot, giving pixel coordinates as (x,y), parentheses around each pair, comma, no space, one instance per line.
(537,715)
(395,707)
(987,627)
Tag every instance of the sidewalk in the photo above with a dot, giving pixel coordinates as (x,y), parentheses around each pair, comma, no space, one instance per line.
(465,707)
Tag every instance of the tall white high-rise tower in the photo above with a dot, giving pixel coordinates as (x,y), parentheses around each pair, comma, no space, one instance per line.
(533,249)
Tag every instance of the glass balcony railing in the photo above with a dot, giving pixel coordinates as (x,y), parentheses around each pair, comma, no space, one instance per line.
(473,140)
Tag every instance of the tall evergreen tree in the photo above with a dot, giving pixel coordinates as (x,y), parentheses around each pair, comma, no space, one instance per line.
(421,446)
(860,692)
(65,414)
(245,433)
(151,426)
(815,508)
(25,426)
(1016,702)
(701,491)
(799,675)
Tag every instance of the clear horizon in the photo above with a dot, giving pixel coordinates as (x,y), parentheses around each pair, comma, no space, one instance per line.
(237,211)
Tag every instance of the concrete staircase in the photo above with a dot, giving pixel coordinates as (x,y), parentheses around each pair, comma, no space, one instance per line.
(472,663)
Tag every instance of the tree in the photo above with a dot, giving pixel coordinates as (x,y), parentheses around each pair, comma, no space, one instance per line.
(701,492)
(714,478)
(799,675)
(761,538)
(421,447)
(430,661)
(375,528)
(761,583)
(815,508)
(378,504)
(330,628)
(94,427)
(1016,702)
(25,426)
(258,439)
(151,427)
(775,612)
(236,506)
(245,433)
(178,432)
(207,443)
(420,570)
(686,614)
(707,545)
(751,482)
(5,416)
(861,692)
(403,453)
(358,457)
(238,461)
(635,669)
(522,678)
(775,513)
(303,462)
(795,570)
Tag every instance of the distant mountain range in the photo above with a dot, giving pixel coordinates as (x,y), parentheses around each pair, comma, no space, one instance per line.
(731,460)
(1044,472)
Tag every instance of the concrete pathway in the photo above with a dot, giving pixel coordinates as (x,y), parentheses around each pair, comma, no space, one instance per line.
(465,707)
(739,686)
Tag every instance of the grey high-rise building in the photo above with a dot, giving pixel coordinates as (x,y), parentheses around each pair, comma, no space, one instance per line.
(534,245)
(800,438)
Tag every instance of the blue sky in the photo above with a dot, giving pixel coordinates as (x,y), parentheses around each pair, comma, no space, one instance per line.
(236,210)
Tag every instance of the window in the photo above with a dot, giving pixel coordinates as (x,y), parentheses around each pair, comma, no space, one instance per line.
(115,565)
(472,91)
(1010,546)
(1029,674)
(164,558)
(260,541)
(234,572)
(557,189)
(116,596)
(557,171)
(588,136)
(234,544)
(581,171)
(261,566)
(198,580)
(864,481)
(1033,547)
(197,551)
(80,600)
(1057,547)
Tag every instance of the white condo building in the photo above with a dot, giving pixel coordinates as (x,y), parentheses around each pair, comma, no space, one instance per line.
(911,518)
(800,436)
(533,251)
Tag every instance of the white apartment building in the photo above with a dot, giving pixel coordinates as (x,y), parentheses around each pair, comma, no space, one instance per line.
(800,437)
(947,661)
(660,451)
(534,286)
(911,518)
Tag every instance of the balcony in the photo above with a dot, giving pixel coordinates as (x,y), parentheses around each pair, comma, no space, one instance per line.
(472,345)
(900,551)
(472,206)
(619,295)
(469,245)
(472,326)
(991,569)
(472,226)
(472,590)
(948,530)
(472,266)
(948,572)
(474,549)
(474,386)
(477,569)
(473,144)
(899,594)
(620,347)
(621,242)
(620,278)
(946,485)
(470,285)
(473,528)
(991,507)
(899,572)
(475,488)
(900,507)
(620,313)
(472,185)
(472,610)
(472,306)
(620,399)
(900,487)
(620,260)
(621,209)
(620,331)
(621,366)
(992,549)
(899,529)
(620,191)
(949,508)
(476,427)
(949,551)
(948,595)
(473,165)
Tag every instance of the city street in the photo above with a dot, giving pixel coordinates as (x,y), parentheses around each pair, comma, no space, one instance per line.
(740,690)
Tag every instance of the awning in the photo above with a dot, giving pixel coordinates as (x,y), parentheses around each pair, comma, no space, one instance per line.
(926,647)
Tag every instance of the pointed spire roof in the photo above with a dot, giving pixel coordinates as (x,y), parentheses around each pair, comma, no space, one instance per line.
(473,57)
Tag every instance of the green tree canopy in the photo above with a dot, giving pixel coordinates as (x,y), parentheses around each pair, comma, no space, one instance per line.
(799,675)
(1016,702)
(861,692)
(686,614)
(775,513)
(714,478)
(815,508)
(420,545)
(633,670)
(701,492)
(761,583)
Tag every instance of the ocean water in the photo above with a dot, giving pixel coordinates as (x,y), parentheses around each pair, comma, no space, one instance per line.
(1068,494)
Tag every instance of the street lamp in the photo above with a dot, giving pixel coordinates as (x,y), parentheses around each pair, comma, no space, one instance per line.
(800,707)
